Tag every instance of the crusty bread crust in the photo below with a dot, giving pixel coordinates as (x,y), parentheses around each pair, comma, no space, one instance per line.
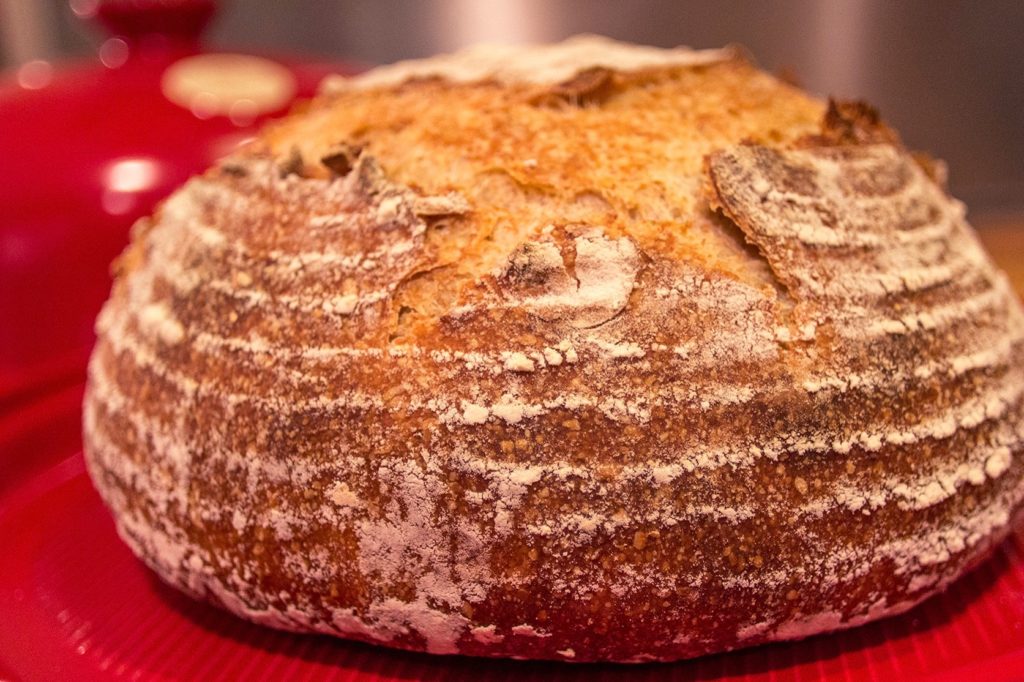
(654,360)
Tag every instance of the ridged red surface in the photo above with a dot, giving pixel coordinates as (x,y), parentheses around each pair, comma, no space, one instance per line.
(76,605)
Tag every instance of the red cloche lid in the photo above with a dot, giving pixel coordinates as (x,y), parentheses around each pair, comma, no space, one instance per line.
(87,148)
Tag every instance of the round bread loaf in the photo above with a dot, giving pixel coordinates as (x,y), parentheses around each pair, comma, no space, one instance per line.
(586,352)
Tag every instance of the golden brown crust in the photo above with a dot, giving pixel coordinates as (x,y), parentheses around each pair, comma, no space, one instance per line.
(854,123)
(637,364)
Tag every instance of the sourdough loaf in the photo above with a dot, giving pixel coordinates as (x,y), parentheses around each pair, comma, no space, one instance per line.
(586,352)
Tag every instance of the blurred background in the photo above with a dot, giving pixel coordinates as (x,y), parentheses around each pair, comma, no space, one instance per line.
(106,106)
(948,74)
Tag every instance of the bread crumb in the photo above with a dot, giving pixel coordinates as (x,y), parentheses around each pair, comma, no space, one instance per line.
(342,496)
(568,351)
(341,305)
(552,357)
(529,631)
(510,412)
(388,209)
(998,462)
(622,350)
(872,443)
(474,414)
(518,362)
(158,320)
(486,634)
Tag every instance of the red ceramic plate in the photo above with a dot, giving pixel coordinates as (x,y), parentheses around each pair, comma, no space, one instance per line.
(76,605)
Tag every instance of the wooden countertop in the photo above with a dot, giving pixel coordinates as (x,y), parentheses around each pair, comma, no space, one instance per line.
(1004,240)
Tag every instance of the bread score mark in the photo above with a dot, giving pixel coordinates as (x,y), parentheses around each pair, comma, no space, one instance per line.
(585,288)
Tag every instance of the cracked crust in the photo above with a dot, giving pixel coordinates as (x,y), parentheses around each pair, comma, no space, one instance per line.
(636,358)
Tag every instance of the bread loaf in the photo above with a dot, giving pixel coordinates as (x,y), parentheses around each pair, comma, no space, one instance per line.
(585,352)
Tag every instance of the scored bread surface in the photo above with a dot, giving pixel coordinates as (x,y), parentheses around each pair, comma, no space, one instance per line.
(586,352)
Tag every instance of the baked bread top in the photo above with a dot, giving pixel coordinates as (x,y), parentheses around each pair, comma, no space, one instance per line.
(636,337)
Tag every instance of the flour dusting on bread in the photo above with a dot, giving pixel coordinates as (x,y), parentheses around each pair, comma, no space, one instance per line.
(537,64)
(492,354)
